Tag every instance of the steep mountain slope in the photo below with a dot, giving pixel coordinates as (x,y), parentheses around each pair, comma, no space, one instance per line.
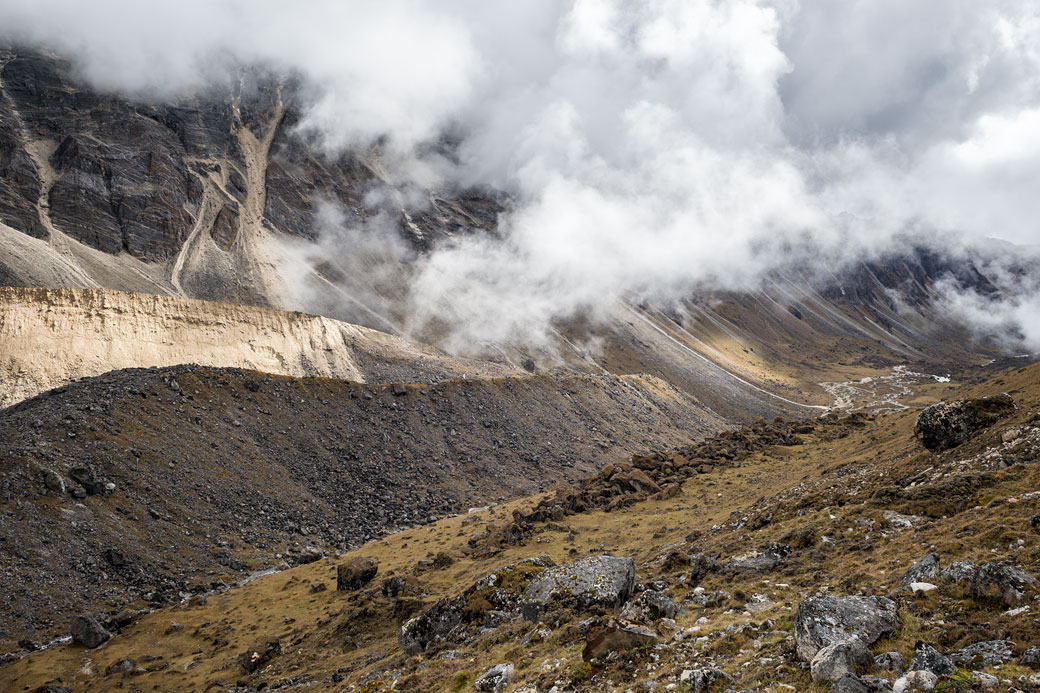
(217,196)
(216,472)
(187,198)
(747,527)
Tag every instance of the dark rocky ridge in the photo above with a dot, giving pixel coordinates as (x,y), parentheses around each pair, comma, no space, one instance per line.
(216,470)
(130,176)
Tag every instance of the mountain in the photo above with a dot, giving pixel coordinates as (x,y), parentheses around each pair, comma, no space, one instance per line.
(732,541)
(209,198)
(215,396)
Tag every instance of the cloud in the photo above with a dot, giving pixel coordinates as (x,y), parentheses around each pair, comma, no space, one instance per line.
(396,68)
(651,148)
(1012,318)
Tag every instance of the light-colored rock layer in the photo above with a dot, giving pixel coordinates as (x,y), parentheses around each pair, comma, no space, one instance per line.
(49,337)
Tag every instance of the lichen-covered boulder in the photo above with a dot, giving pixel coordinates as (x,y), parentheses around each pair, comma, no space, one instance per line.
(594,581)
(988,653)
(703,680)
(948,424)
(825,620)
(452,619)
(1001,583)
(922,571)
(927,658)
(495,679)
(958,572)
(833,662)
(651,606)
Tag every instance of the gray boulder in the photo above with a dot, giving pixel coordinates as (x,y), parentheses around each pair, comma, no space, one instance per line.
(53,481)
(1001,583)
(986,682)
(495,679)
(88,632)
(835,661)
(927,658)
(960,571)
(651,606)
(984,654)
(826,620)
(922,571)
(594,581)
(948,424)
(702,680)
(889,661)
(1031,658)
(916,681)
(850,683)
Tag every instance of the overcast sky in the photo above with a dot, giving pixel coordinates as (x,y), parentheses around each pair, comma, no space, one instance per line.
(655,146)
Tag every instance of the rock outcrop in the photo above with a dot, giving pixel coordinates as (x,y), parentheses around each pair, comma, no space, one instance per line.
(948,424)
(450,620)
(605,581)
(1002,583)
(826,620)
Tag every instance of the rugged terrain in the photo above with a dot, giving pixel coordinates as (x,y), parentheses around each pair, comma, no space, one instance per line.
(729,537)
(217,196)
(217,472)
(249,497)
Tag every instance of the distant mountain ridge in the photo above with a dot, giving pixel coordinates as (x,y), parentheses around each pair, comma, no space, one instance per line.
(200,197)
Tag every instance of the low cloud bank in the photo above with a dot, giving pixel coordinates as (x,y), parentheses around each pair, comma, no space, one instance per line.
(651,148)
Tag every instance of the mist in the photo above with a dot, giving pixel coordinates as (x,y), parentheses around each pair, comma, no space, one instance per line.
(651,149)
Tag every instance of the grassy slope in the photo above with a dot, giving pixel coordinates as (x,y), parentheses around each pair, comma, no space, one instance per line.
(821,499)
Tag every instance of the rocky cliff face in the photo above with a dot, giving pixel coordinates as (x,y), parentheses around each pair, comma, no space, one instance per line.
(198,187)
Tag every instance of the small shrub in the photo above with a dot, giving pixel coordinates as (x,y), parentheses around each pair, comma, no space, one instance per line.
(580,672)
